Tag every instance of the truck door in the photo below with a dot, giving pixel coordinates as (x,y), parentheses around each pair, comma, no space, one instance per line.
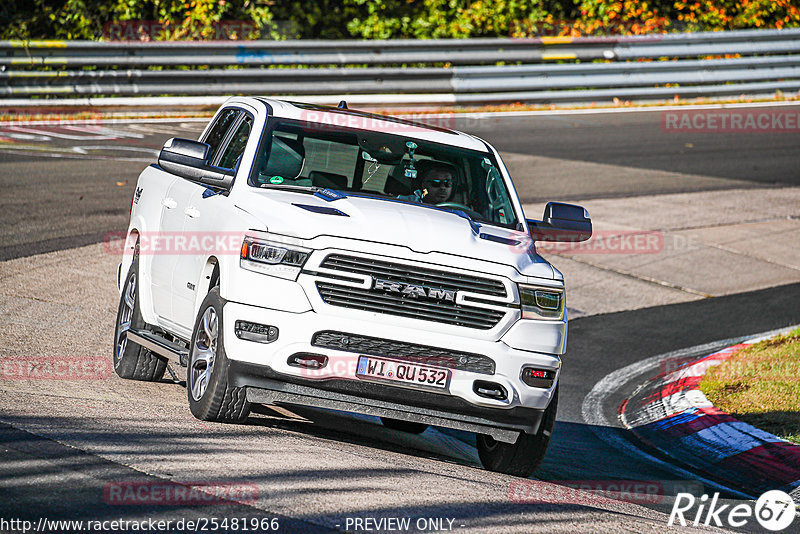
(202,224)
(171,231)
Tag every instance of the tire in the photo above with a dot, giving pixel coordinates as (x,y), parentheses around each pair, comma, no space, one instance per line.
(525,456)
(404,426)
(130,360)
(211,398)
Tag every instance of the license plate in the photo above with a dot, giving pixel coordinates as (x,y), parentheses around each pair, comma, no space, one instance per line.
(402,373)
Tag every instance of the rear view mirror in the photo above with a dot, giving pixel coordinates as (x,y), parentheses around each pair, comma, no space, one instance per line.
(189,159)
(562,222)
(383,149)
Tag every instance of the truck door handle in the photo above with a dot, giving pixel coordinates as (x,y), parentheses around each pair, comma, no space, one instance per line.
(168,203)
(192,212)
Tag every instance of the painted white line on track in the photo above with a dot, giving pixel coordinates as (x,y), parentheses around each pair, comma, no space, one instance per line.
(25,136)
(476,115)
(153,151)
(601,111)
(109,120)
(59,135)
(593,403)
(166,129)
(70,153)
(101,130)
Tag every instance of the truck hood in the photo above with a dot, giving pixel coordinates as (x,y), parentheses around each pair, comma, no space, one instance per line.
(419,228)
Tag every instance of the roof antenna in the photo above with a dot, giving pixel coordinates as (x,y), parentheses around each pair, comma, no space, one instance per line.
(342,105)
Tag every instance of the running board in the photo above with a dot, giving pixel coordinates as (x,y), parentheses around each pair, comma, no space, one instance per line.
(176,354)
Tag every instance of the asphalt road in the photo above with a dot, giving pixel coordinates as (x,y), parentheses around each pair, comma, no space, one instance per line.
(640,140)
(68,186)
(60,449)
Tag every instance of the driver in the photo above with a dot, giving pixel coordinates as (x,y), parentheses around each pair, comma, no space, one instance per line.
(436,183)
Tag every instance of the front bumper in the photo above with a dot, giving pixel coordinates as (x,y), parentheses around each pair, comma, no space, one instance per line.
(267,387)
(253,362)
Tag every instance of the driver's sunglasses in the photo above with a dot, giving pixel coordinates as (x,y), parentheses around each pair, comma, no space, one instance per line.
(441,183)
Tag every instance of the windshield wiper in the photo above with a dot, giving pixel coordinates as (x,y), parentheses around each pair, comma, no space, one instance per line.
(310,189)
(325,193)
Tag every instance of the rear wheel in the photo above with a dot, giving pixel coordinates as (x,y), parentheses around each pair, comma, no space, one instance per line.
(131,360)
(525,456)
(404,426)
(211,397)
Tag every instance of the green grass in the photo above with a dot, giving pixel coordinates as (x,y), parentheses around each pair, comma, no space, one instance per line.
(760,385)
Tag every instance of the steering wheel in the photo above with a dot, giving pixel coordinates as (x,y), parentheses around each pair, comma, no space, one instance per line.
(457,206)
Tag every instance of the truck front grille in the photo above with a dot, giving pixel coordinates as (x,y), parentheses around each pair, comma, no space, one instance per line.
(438,309)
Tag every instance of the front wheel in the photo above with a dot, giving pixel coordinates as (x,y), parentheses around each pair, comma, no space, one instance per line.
(130,360)
(525,456)
(211,397)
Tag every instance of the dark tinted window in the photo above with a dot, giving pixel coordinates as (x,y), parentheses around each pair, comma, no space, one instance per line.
(217,133)
(237,144)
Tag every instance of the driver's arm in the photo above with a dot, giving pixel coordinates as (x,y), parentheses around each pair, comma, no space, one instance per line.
(416,196)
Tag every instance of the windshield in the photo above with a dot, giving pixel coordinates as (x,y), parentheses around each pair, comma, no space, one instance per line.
(390,166)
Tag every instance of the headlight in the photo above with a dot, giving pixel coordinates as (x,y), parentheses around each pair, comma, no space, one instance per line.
(541,302)
(276,259)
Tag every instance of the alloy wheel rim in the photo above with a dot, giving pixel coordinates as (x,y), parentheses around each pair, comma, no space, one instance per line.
(125,318)
(204,351)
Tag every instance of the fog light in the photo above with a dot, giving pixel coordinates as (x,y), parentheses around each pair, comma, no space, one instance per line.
(260,333)
(307,361)
(538,378)
(490,390)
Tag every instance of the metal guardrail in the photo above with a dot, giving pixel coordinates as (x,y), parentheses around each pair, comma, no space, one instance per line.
(769,60)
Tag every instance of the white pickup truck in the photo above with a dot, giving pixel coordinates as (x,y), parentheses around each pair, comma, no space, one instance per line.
(302,255)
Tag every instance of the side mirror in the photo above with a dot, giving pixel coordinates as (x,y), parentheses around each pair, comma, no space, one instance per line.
(561,222)
(189,159)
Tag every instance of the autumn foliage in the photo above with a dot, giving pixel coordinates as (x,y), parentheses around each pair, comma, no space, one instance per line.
(385,19)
